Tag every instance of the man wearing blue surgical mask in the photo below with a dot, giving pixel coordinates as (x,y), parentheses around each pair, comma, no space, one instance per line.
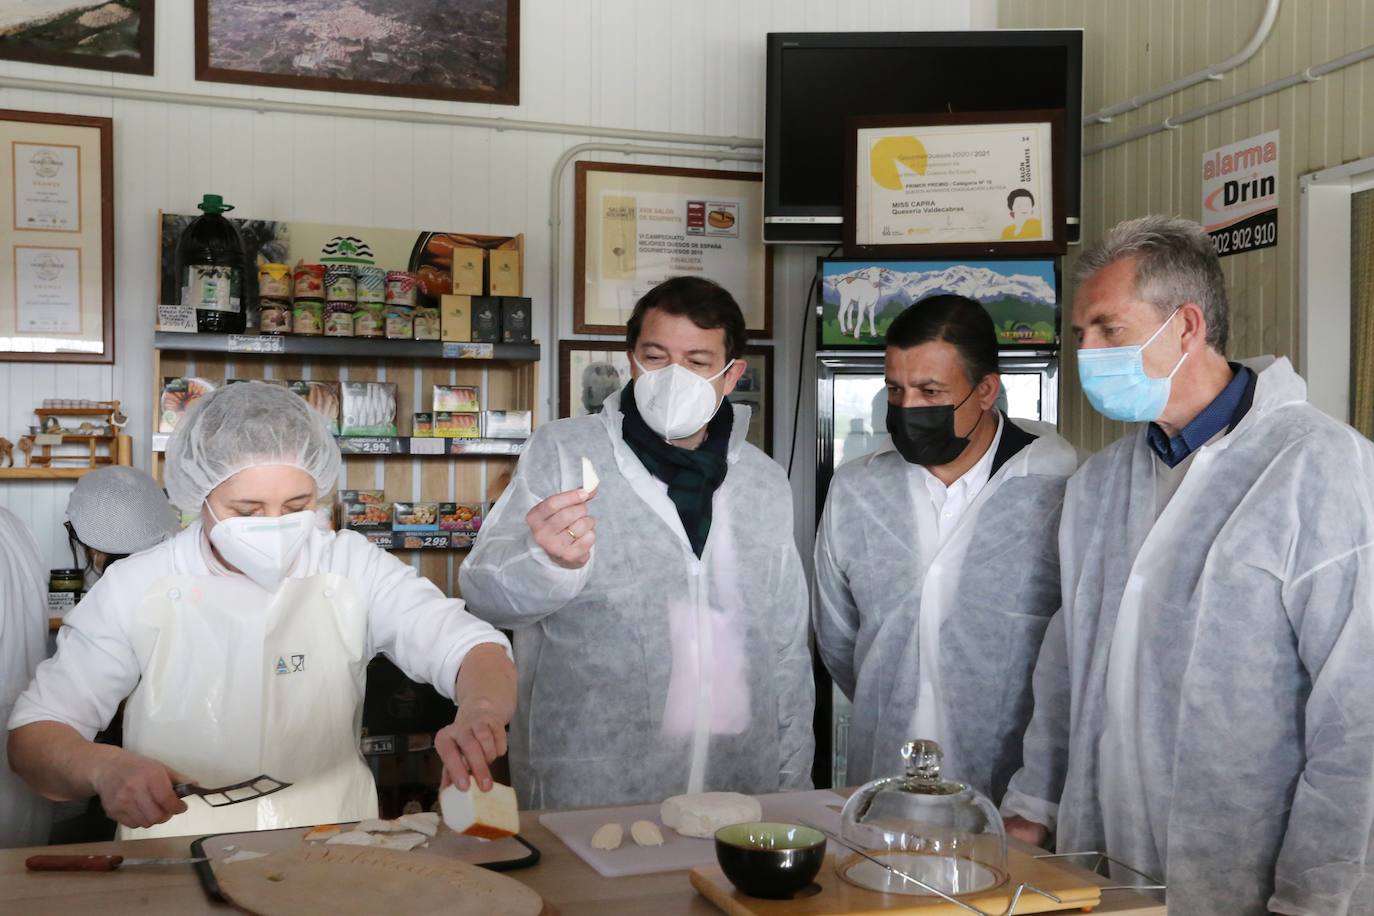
(1201,698)
(659,610)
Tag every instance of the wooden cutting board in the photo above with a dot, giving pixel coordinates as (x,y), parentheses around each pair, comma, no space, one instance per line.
(837,897)
(343,881)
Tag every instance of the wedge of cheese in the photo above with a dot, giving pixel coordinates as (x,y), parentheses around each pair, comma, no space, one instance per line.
(589,479)
(323,832)
(490,815)
(426,822)
(703,813)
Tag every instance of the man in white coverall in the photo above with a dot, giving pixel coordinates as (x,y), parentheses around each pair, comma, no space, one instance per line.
(1202,699)
(671,656)
(242,644)
(937,567)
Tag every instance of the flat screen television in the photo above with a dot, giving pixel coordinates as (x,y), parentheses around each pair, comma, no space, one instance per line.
(817,79)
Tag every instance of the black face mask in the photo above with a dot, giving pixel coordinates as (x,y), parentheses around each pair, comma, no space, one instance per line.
(925,435)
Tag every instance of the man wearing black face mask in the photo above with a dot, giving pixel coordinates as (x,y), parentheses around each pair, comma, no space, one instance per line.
(936,561)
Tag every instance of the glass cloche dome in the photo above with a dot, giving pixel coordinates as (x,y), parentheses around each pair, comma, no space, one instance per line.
(941,833)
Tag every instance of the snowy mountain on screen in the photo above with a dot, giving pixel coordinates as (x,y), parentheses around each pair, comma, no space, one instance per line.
(981,284)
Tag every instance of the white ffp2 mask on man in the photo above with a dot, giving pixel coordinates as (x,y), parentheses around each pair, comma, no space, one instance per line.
(674,401)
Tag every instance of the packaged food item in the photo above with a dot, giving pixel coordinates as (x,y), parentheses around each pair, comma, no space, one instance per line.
(455,318)
(274,281)
(516,320)
(422,425)
(503,272)
(64,590)
(400,288)
(457,425)
(178,394)
(371,283)
(338,318)
(426,323)
(367,409)
(400,322)
(461,516)
(507,424)
(364,510)
(340,283)
(415,517)
(274,316)
(307,317)
(369,320)
(323,398)
(467,270)
(486,319)
(461,540)
(457,398)
(308,281)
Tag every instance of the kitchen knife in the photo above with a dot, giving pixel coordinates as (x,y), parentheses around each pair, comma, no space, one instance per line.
(97,863)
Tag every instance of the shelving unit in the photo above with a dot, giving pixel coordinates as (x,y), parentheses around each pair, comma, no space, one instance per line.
(43,473)
(416,446)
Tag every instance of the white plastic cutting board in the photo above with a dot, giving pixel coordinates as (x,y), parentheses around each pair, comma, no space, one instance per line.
(575,828)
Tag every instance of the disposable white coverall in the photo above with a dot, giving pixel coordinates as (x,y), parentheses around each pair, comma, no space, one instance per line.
(1203,699)
(895,605)
(649,672)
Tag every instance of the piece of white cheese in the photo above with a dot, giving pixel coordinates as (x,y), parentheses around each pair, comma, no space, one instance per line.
(351,838)
(589,478)
(426,822)
(646,833)
(376,825)
(490,815)
(400,841)
(323,832)
(703,813)
(243,855)
(608,837)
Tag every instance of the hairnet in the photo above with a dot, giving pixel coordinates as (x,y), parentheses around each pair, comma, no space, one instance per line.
(120,510)
(245,425)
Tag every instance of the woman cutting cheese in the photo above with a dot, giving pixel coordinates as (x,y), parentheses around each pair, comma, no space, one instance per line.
(242,644)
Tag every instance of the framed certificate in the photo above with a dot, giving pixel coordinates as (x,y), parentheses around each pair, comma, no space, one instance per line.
(956,185)
(56,238)
(638,225)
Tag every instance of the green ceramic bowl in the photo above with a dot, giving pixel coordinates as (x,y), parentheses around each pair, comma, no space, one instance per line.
(772,861)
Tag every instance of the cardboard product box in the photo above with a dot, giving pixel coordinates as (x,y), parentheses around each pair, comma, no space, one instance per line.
(415,517)
(486,319)
(364,510)
(457,399)
(458,425)
(178,394)
(461,516)
(422,426)
(503,272)
(455,318)
(368,409)
(517,318)
(323,398)
(468,264)
(507,424)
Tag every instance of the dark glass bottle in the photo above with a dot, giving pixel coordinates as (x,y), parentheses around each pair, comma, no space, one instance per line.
(210,268)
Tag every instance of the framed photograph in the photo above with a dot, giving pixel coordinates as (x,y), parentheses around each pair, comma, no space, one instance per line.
(57,238)
(589,372)
(460,50)
(967,184)
(638,225)
(861,296)
(116,36)
(755,390)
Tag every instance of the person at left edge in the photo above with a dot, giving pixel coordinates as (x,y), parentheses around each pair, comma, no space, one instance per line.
(936,563)
(242,644)
(660,620)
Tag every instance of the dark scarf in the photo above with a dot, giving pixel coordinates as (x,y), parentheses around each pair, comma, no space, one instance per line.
(692,474)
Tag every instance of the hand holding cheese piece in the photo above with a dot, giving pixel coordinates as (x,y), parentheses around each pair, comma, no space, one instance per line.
(491,815)
(703,813)
(589,479)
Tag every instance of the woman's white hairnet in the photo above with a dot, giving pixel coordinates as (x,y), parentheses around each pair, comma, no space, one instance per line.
(247,424)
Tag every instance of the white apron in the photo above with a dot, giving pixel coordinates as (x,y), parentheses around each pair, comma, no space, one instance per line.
(233,687)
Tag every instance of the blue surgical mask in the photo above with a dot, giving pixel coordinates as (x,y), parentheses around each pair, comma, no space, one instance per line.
(1115,382)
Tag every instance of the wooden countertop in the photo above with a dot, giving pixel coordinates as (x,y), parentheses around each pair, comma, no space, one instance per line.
(563,880)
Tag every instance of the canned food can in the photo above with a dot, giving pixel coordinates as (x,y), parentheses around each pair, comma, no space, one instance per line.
(371,284)
(274,281)
(308,317)
(340,283)
(309,281)
(400,288)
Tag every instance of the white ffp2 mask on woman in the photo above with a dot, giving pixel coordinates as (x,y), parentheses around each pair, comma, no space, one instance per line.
(263,549)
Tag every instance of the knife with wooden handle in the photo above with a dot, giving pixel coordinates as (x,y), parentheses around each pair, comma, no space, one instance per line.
(97,863)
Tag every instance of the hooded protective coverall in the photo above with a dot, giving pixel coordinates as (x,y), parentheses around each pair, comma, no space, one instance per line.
(649,672)
(896,607)
(1202,701)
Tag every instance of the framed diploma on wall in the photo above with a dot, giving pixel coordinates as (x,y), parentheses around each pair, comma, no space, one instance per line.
(638,225)
(56,238)
(955,185)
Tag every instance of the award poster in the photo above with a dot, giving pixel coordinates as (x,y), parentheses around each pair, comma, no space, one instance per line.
(639,225)
(988,184)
